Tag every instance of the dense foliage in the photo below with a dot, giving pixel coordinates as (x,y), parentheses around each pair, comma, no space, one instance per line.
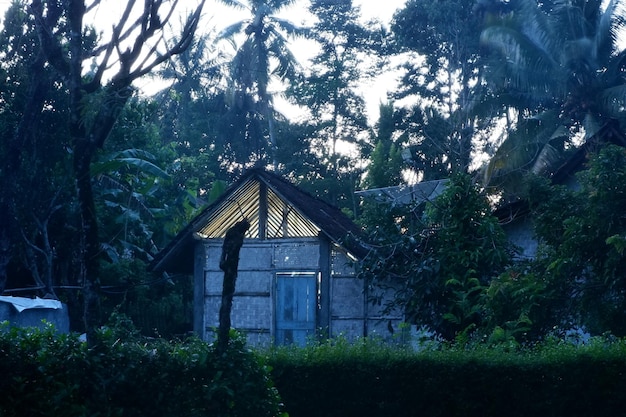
(450,267)
(49,374)
(442,259)
(122,374)
(581,260)
(96,177)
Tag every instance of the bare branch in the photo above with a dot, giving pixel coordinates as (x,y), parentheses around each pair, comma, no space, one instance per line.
(109,47)
(93,5)
(179,47)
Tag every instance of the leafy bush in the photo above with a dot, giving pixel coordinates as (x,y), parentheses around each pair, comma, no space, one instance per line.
(46,374)
(157,306)
(578,275)
(439,264)
(554,378)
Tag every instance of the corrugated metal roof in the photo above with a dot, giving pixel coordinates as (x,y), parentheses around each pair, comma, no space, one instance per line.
(407,194)
(282,220)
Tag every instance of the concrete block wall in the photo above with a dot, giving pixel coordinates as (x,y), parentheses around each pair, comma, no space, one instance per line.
(347,306)
(349,314)
(520,232)
(252,305)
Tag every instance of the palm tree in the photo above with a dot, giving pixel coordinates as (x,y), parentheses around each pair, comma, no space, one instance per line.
(263,55)
(560,66)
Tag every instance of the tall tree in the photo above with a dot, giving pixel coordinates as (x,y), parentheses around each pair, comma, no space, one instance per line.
(385,167)
(264,55)
(97,96)
(425,132)
(32,115)
(444,69)
(329,89)
(193,117)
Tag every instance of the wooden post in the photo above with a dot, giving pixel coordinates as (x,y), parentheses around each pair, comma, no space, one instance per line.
(229,263)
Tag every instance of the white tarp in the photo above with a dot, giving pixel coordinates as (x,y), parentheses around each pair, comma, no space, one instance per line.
(22,303)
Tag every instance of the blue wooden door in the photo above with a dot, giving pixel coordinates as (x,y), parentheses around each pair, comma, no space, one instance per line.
(296,304)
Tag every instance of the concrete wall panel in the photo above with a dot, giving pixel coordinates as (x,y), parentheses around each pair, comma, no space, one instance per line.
(347,298)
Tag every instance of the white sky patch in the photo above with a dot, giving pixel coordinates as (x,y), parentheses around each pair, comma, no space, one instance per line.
(216,15)
(382,10)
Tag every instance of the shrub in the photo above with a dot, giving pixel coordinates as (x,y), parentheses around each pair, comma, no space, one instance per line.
(46,374)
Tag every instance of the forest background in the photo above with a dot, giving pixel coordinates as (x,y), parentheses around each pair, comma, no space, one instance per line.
(97,177)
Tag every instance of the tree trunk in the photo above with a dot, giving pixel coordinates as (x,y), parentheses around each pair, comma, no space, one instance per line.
(229,263)
(90,243)
(133,61)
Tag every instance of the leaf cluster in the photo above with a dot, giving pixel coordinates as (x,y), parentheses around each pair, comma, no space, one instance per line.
(439,266)
(582,233)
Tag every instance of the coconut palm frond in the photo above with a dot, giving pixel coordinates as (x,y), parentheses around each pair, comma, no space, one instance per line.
(592,124)
(614,100)
(608,28)
(547,159)
(235,4)
(567,57)
(522,151)
(278,5)
(230,31)
(291,29)
(526,63)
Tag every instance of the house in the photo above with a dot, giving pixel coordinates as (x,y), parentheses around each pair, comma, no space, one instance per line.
(515,216)
(296,277)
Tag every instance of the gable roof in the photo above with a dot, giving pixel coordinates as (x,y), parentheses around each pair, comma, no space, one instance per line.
(274,207)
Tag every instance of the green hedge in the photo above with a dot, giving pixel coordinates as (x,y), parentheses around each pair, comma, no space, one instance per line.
(561,381)
(45,374)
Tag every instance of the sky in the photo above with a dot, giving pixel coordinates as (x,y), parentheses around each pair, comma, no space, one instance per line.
(374,93)
(214,11)
(381,9)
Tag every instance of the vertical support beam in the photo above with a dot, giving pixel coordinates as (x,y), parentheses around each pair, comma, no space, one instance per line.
(284,221)
(366,309)
(199,290)
(262,210)
(324,319)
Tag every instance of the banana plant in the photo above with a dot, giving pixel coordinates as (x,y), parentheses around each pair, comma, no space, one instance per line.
(128,183)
